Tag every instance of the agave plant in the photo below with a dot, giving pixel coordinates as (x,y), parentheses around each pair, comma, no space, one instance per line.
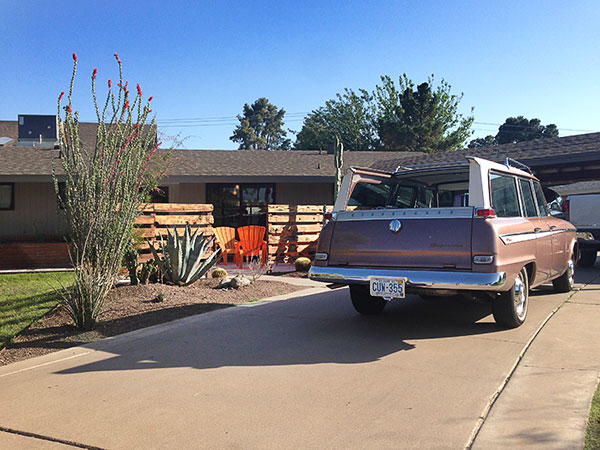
(182,263)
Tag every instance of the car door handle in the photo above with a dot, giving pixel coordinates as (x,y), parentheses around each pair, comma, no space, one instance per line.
(552,227)
(537,229)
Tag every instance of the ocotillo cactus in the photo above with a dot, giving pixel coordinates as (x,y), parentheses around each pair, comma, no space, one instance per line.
(339,162)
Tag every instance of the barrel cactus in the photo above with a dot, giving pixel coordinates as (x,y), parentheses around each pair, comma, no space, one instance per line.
(182,262)
(302,264)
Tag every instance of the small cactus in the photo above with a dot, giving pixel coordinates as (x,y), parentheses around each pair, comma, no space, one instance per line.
(219,273)
(302,264)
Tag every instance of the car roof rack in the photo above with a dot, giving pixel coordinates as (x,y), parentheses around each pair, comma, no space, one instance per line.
(510,162)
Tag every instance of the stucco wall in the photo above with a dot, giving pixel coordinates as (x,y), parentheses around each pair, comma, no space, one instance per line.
(35,213)
(304,193)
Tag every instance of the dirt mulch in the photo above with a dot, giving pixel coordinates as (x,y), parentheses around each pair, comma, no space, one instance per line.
(129,308)
(290,274)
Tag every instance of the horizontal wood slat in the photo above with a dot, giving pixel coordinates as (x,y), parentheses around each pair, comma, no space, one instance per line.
(298,209)
(156,219)
(293,231)
(183,219)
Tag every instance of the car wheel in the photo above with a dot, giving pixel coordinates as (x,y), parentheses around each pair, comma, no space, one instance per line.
(510,307)
(588,258)
(565,282)
(364,302)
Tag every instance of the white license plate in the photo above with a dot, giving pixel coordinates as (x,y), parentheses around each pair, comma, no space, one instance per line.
(387,287)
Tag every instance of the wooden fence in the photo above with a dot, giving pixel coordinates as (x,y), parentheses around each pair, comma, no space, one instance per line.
(157,217)
(293,231)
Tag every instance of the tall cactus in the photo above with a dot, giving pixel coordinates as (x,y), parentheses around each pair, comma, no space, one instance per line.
(339,163)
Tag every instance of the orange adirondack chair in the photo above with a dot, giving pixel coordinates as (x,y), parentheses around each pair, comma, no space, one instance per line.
(252,243)
(226,239)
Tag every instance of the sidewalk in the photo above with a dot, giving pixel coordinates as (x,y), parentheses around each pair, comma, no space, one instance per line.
(546,402)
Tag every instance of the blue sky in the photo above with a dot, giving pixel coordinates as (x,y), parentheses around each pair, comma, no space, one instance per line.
(206,59)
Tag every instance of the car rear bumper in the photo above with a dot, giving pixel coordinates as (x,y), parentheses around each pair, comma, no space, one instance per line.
(428,279)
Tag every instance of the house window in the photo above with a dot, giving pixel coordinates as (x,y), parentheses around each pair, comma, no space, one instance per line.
(7,196)
(159,194)
(240,204)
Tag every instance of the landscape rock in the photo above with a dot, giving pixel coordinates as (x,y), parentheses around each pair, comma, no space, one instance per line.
(240,280)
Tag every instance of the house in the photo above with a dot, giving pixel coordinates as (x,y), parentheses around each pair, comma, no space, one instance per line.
(239,183)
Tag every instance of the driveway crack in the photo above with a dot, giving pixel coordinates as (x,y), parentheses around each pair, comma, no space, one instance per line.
(48,438)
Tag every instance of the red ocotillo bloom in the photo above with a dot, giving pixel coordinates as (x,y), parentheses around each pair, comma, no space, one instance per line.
(94,73)
(150,99)
(61,96)
(74,57)
(139,90)
(118,60)
(109,83)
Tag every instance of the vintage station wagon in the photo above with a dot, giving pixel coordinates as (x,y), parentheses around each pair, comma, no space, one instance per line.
(474,227)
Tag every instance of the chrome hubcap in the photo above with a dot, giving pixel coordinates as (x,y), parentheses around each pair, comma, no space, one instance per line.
(571,272)
(520,298)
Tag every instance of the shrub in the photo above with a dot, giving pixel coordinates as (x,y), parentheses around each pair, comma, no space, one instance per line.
(219,273)
(104,188)
(302,264)
(182,261)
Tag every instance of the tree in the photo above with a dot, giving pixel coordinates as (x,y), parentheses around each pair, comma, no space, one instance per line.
(104,188)
(350,115)
(420,118)
(519,129)
(261,127)
(396,118)
(487,141)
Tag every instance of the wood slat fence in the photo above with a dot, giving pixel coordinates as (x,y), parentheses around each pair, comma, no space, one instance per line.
(293,231)
(157,217)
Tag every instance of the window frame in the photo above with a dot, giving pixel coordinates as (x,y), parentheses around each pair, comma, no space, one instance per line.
(517,190)
(239,207)
(535,204)
(11,205)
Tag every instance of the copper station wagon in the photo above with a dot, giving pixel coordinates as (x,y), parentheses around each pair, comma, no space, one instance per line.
(475,227)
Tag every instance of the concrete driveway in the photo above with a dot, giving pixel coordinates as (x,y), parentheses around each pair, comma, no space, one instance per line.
(301,373)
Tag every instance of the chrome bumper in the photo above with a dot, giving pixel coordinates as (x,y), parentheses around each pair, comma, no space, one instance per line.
(429,279)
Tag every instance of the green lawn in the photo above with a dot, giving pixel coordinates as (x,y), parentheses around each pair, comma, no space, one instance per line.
(26,297)
(592,436)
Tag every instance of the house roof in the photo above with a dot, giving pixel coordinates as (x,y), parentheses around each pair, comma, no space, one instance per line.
(533,153)
(542,155)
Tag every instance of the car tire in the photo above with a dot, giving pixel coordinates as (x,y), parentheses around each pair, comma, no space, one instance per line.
(588,258)
(510,308)
(565,282)
(364,302)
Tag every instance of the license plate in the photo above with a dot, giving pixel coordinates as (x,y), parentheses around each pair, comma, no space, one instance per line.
(387,287)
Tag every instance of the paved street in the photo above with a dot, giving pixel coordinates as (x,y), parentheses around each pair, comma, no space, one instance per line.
(301,373)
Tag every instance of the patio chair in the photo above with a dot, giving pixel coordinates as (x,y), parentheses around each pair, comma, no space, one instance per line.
(251,244)
(226,239)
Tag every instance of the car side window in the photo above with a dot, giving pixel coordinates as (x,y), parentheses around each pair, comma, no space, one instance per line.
(541,200)
(505,199)
(528,200)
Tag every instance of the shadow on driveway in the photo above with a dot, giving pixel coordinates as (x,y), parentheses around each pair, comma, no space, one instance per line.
(316,329)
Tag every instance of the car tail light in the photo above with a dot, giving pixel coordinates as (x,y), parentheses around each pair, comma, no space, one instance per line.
(329,216)
(566,206)
(486,213)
